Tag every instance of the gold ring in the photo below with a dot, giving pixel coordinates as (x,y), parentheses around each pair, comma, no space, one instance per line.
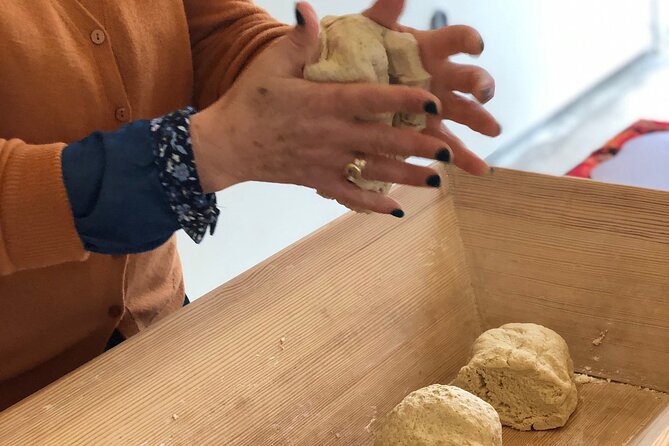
(353,171)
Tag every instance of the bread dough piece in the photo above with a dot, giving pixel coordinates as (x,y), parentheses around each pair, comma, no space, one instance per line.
(354,48)
(441,416)
(526,373)
(406,68)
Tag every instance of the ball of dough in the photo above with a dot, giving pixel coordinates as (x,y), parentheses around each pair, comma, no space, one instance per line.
(354,49)
(526,373)
(441,416)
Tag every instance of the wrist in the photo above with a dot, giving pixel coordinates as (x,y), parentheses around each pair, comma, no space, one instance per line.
(210,150)
(195,210)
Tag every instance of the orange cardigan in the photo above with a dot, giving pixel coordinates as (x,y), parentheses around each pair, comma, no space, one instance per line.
(70,68)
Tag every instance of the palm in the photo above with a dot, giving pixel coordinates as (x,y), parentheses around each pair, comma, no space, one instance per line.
(448,78)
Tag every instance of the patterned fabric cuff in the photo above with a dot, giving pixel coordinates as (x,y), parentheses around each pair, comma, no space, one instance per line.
(195,210)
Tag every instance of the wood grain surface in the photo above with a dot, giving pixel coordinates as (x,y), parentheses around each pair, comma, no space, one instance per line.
(310,348)
(587,259)
(315,345)
(608,414)
(656,433)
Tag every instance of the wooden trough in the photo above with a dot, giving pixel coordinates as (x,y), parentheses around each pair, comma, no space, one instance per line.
(315,345)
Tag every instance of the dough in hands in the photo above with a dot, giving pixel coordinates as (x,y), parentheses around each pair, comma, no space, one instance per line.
(406,68)
(441,416)
(353,49)
(526,373)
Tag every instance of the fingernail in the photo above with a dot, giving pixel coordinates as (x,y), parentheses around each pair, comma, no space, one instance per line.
(444,155)
(486,94)
(399,213)
(431,108)
(499,127)
(482,45)
(434,181)
(299,17)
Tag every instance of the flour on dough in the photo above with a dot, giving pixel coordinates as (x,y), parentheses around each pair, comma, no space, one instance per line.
(441,416)
(526,373)
(353,49)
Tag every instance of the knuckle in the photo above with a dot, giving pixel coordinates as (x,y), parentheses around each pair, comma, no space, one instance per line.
(414,98)
(398,142)
(406,174)
(360,100)
(317,102)
(379,139)
(417,143)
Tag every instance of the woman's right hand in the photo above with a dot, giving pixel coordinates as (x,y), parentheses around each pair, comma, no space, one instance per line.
(274,126)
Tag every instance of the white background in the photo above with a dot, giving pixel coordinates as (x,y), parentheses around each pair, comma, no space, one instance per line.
(663,19)
(543,55)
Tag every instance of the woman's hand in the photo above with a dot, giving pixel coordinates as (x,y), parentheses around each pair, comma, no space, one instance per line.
(448,78)
(274,126)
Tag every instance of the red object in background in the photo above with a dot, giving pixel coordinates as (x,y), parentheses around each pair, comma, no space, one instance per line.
(613,147)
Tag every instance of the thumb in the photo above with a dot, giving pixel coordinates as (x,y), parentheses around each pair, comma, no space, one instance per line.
(301,44)
(386,12)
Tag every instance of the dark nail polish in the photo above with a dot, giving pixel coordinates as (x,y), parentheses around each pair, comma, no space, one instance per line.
(399,213)
(299,17)
(486,94)
(444,155)
(482,45)
(431,108)
(434,181)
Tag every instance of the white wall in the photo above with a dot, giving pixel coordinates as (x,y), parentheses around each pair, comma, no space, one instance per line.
(543,53)
(663,21)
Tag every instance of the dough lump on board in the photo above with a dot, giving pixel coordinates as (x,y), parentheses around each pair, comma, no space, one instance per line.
(441,416)
(353,49)
(525,372)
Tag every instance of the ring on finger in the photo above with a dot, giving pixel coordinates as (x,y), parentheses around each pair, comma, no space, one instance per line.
(353,171)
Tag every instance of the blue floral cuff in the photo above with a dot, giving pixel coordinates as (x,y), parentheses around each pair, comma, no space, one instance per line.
(195,210)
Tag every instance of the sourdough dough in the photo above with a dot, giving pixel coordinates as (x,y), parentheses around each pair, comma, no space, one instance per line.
(354,48)
(526,373)
(441,416)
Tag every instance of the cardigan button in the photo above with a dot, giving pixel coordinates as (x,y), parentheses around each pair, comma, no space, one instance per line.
(98,37)
(122,114)
(115,311)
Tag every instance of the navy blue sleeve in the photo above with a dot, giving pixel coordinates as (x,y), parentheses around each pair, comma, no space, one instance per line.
(118,201)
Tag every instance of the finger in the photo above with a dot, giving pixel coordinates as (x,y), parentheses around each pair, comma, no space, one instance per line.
(385,12)
(451,40)
(301,43)
(380,139)
(351,196)
(466,79)
(471,114)
(390,170)
(367,100)
(465,159)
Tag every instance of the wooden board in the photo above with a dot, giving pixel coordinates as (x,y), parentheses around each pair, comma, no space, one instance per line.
(608,414)
(310,348)
(581,257)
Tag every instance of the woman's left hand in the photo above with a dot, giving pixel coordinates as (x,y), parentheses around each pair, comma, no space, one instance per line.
(448,78)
